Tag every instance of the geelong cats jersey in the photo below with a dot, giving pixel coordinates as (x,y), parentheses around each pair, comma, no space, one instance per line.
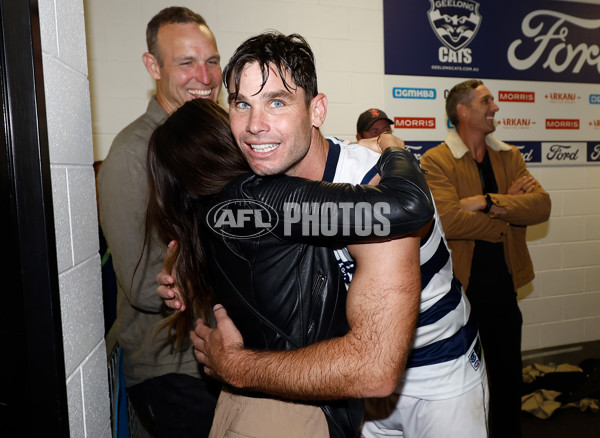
(446,358)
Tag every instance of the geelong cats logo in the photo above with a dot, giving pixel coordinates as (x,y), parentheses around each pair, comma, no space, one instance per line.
(455,22)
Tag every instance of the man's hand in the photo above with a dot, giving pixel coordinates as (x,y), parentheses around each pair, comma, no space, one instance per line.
(167,286)
(216,348)
(381,143)
(478,203)
(523,185)
(473,203)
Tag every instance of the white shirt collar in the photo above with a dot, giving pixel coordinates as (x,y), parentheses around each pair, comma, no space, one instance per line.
(459,149)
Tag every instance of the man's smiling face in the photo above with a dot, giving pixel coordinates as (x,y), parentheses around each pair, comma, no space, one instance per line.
(190,67)
(272,125)
(478,114)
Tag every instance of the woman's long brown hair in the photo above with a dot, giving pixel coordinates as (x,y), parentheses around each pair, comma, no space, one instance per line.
(191,157)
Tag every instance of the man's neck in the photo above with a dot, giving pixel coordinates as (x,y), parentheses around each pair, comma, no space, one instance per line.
(475,142)
(313,164)
(166,105)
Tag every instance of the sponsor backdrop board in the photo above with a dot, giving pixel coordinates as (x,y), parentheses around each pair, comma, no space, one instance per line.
(540,59)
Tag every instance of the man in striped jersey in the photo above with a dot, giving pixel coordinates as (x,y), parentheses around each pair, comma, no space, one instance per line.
(443,391)
(275,113)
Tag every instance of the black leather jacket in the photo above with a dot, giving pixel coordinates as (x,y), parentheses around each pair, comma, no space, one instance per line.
(283,289)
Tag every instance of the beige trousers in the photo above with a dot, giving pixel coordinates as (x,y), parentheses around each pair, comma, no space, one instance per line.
(237,416)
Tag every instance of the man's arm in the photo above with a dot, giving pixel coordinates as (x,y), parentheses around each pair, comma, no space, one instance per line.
(514,206)
(463,218)
(458,222)
(122,186)
(528,207)
(382,309)
(402,187)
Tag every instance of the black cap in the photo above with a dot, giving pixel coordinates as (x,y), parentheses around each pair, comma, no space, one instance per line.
(370,116)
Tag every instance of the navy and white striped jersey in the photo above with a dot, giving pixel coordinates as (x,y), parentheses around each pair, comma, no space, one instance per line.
(446,359)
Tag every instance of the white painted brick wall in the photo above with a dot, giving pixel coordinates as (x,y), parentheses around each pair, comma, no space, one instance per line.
(347,38)
(69,122)
(563,305)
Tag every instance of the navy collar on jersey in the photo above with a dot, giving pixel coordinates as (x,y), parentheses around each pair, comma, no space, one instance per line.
(333,156)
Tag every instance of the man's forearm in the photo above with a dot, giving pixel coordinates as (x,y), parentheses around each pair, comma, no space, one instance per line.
(334,369)
(382,309)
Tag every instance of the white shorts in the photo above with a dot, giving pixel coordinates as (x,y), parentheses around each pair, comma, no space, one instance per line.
(464,416)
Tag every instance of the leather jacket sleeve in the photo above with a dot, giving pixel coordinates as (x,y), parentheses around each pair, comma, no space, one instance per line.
(323,212)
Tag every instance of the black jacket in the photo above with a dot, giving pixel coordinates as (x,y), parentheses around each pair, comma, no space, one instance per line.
(282,287)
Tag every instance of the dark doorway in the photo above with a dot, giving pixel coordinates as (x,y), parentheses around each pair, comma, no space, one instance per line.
(33,396)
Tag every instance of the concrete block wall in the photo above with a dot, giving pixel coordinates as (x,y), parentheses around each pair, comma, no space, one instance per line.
(69,123)
(561,306)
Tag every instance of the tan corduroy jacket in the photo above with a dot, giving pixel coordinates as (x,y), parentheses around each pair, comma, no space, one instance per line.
(452,175)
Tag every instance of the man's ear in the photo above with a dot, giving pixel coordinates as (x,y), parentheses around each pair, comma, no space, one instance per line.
(151,64)
(319,110)
(461,109)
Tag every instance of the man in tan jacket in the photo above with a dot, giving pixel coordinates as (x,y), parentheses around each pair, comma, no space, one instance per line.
(486,198)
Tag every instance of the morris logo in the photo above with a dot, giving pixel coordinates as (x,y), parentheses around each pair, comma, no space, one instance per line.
(455,22)
(562,123)
(414,122)
(516,96)
(242,219)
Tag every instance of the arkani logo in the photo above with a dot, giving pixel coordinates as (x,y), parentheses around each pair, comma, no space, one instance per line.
(508,122)
(455,23)
(242,219)
(562,97)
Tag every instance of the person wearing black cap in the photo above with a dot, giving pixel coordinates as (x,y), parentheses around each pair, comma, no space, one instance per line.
(372,123)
